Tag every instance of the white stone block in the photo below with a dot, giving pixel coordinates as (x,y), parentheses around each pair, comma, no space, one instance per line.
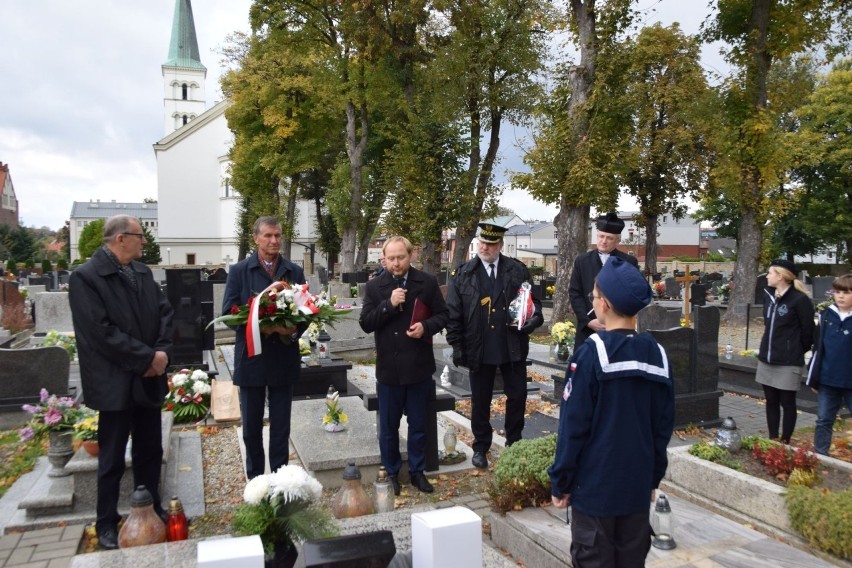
(446,537)
(239,552)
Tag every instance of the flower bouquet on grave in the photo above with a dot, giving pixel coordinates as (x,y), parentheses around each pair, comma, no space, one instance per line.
(562,333)
(189,395)
(283,508)
(67,342)
(280,304)
(825,304)
(660,289)
(334,419)
(51,414)
(86,427)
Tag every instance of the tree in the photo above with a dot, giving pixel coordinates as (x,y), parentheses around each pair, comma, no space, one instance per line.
(752,157)
(573,161)
(823,147)
(91,237)
(150,250)
(667,154)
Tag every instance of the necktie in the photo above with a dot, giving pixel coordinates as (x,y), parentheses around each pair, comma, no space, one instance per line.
(493,274)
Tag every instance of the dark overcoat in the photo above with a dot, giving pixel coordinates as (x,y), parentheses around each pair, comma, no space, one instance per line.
(117,331)
(402,360)
(586,269)
(279,362)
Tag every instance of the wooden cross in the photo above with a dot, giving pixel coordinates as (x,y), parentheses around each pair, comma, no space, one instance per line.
(687,279)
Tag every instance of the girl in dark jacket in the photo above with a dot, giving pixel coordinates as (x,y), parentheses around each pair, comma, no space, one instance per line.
(788,319)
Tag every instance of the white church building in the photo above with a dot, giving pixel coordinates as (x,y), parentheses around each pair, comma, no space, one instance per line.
(197,207)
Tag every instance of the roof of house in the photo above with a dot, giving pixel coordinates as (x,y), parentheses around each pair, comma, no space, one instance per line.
(106,209)
(526,229)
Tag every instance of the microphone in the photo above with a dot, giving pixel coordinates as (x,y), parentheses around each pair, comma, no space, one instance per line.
(400,283)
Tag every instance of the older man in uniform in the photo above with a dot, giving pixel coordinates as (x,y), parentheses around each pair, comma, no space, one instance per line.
(586,269)
(484,339)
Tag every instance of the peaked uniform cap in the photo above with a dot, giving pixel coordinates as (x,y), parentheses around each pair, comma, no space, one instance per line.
(491,233)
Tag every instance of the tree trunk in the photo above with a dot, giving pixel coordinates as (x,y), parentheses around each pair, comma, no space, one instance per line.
(571,223)
(651,244)
(355,146)
(745,270)
(430,257)
(290,217)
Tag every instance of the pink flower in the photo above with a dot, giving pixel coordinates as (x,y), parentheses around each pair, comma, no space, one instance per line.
(44,395)
(26,434)
(53,416)
(31,409)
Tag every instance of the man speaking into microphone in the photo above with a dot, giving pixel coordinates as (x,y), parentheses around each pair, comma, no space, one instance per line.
(404,308)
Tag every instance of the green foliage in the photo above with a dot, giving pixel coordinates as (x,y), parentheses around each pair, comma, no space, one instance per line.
(520,475)
(751,442)
(803,477)
(11,265)
(296,520)
(17,243)
(17,457)
(91,238)
(46,266)
(62,264)
(30,263)
(823,518)
(715,454)
(150,250)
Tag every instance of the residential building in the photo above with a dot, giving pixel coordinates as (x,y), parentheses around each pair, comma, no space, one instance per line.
(8,201)
(675,237)
(83,213)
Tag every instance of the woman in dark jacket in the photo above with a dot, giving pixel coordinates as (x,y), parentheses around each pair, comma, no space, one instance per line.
(788,319)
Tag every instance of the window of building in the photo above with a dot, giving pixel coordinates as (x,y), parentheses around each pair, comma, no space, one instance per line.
(190,258)
(184,92)
(185,119)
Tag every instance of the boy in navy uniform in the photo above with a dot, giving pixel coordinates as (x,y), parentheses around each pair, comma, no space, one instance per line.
(615,421)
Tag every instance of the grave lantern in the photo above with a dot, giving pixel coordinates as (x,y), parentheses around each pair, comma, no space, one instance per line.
(662,524)
(323,340)
(728,437)
(384,492)
(351,500)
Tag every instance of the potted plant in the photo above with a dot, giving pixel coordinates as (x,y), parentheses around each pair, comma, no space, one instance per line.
(334,419)
(283,508)
(562,334)
(86,429)
(55,416)
(189,395)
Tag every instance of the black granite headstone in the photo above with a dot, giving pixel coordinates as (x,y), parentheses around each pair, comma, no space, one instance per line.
(698,294)
(349,278)
(706,348)
(821,285)
(365,550)
(655,316)
(218,275)
(322,273)
(672,288)
(680,349)
(184,291)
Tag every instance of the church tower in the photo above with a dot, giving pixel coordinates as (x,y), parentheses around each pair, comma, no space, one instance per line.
(183,73)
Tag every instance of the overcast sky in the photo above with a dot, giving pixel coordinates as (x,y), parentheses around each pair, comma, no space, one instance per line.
(81,101)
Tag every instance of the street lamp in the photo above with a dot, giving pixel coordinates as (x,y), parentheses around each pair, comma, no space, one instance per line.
(169,253)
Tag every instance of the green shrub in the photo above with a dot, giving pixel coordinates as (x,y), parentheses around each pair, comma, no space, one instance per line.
(46,266)
(520,475)
(62,264)
(12,266)
(823,518)
(715,454)
(749,442)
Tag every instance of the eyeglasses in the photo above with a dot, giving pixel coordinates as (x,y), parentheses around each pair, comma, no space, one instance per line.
(591,296)
(140,235)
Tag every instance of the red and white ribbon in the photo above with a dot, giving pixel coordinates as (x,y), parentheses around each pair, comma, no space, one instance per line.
(253,343)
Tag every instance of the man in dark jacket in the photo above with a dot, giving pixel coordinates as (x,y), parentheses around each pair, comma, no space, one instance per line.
(484,338)
(276,369)
(123,327)
(586,268)
(404,308)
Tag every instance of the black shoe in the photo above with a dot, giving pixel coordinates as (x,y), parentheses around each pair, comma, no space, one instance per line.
(108,539)
(419,481)
(479,460)
(395,482)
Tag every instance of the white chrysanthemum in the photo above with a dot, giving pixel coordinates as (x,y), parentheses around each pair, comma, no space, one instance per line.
(199,375)
(180,379)
(281,302)
(292,482)
(200,387)
(288,293)
(256,490)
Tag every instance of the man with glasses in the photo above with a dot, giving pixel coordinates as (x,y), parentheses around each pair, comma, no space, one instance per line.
(123,326)
(586,268)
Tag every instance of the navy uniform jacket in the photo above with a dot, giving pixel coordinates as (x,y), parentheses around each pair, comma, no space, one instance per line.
(117,332)
(279,363)
(402,360)
(586,268)
(615,422)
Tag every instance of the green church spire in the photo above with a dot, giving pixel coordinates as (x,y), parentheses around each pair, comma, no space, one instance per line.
(183,47)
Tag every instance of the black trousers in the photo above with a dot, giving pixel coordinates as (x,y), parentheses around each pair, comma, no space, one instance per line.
(481,393)
(609,542)
(114,428)
(252,403)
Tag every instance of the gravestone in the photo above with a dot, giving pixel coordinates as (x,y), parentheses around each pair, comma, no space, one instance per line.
(159,274)
(821,285)
(193,305)
(218,275)
(12,305)
(656,317)
(672,288)
(698,294)
(714,277)
(314,284)
(349,277)
(53,311)
(63,276)
(322,272)
(760,290)
(694,361)
(23,373)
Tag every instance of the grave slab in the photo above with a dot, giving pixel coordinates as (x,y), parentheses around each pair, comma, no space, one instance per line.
(53,311)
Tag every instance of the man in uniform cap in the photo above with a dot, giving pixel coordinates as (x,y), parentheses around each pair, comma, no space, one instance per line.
(586,268)
(483,340)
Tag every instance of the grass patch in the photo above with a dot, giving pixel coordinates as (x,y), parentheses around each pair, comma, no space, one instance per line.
(17,458)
